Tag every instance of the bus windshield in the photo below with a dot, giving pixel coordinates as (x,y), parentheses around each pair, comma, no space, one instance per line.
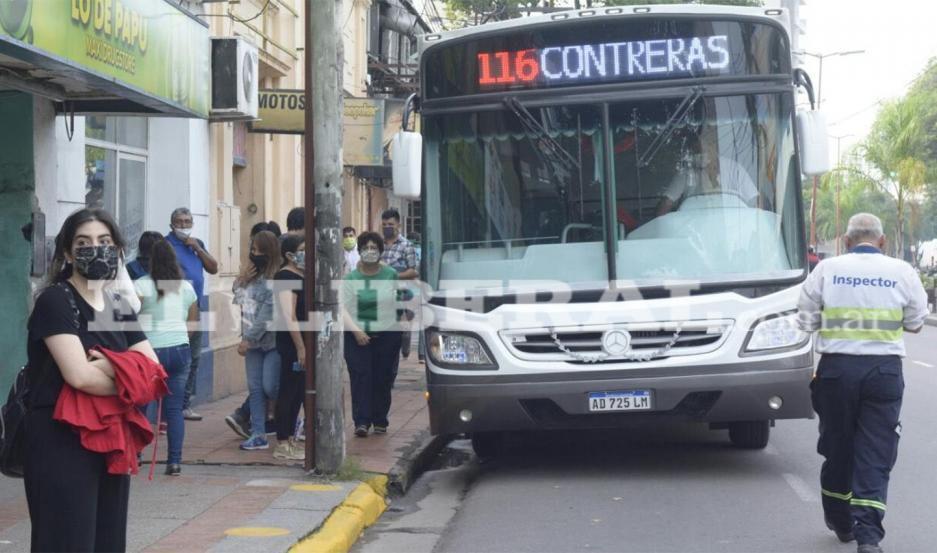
(704,189)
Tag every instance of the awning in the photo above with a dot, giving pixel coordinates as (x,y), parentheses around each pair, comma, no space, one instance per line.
(110,56)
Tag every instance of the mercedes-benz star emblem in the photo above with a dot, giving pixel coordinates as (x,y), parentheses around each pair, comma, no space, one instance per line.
(616,342)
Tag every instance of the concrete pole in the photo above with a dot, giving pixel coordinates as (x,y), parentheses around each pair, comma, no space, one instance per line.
(323,197)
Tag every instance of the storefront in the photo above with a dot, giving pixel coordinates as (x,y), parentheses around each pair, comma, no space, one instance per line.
(104,103)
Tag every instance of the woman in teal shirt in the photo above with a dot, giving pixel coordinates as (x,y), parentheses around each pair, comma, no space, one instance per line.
(167,303)
(372,335)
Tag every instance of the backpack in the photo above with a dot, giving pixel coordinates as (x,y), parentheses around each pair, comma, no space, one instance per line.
(13,412)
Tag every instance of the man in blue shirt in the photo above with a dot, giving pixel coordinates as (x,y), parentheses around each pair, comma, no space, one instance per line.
(195,262)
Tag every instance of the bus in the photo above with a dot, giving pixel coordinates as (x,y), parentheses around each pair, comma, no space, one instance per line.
(613,228)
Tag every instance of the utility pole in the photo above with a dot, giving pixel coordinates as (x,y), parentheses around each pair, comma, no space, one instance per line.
(322,148)
(813,198)
(839,178)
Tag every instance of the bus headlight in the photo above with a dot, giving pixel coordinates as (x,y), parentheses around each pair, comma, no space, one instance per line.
(458,350)
(774,333)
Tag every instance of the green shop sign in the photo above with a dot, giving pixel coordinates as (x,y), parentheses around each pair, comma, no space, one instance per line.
(132,47)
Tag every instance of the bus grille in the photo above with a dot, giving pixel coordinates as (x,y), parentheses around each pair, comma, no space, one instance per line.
(573,345)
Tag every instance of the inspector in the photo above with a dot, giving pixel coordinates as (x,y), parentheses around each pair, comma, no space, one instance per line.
(858,386)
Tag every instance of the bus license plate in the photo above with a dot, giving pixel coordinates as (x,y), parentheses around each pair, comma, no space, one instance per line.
(634,400)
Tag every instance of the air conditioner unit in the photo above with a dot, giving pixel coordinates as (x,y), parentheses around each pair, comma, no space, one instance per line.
(234,76)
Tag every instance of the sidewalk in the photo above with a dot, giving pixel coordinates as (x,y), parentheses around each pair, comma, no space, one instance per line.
(228,500)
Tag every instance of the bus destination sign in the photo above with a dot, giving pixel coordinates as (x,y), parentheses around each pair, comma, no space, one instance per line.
(610,61)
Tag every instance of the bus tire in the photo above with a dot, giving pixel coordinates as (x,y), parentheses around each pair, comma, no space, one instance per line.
(749,434)
(488,445)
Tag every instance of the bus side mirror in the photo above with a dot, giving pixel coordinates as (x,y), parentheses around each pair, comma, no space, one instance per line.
(814,146)
(407,164)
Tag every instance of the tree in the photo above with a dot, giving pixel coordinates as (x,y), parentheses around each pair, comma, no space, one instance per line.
(895,148)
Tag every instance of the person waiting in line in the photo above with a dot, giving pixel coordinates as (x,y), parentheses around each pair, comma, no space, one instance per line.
(258,343)
(372,336)
(350,245)
(140,266)
(195,261)
(291,305)
(240,420)
(168,303)
(270,226)
(296,221)
(400,255)
(74,503)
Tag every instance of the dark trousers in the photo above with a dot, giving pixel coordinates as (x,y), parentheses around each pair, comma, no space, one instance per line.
(290,396)
(195,346)
(74,504)
(858,400)
(371,371)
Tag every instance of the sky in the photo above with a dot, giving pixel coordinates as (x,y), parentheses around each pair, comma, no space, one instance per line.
(898,37)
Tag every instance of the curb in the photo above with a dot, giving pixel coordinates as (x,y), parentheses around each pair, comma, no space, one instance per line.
(368,501)
(415,462)
(360,509)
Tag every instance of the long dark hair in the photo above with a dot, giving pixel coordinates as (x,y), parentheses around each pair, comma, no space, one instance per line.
(145,244)
(61,269)
(164,268)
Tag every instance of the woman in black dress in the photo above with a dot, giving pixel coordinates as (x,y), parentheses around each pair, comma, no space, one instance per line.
(74,504)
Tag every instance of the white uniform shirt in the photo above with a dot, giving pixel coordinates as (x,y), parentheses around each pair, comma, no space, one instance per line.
(860,302)
(732,179)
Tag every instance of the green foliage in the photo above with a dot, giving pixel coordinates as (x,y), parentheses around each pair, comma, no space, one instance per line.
(475,12)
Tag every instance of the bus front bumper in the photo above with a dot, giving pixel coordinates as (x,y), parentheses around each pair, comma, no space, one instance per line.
(715,394)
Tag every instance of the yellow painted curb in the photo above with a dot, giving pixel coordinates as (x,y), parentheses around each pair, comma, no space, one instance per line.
(342,528)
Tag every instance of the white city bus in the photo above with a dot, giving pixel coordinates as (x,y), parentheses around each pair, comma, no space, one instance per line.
(612,221)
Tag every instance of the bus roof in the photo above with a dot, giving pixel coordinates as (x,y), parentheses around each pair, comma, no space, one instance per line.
(777,15)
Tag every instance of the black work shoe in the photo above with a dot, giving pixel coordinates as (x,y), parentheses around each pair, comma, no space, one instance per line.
(844,537)
(380,429)
(869,548)
(173,469)
(361,431)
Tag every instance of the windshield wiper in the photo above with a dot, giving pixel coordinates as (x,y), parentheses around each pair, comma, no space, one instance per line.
(532,125)
(678,116)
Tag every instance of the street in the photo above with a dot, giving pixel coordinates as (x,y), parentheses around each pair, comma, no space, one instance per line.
(666,489)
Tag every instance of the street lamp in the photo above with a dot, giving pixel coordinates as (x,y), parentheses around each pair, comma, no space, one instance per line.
(813,200)
(838,183)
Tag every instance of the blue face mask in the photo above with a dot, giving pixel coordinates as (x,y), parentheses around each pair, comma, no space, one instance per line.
(299,259)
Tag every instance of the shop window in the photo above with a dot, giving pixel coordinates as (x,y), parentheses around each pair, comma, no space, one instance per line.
(115,163)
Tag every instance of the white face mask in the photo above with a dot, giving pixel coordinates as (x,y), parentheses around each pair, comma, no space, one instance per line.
(183,233)
(370,256)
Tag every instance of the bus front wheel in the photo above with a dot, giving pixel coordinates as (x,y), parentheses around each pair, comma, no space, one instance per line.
(487,445)
(750,434)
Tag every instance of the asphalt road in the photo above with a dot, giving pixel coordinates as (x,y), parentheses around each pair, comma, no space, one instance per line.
(677,488)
